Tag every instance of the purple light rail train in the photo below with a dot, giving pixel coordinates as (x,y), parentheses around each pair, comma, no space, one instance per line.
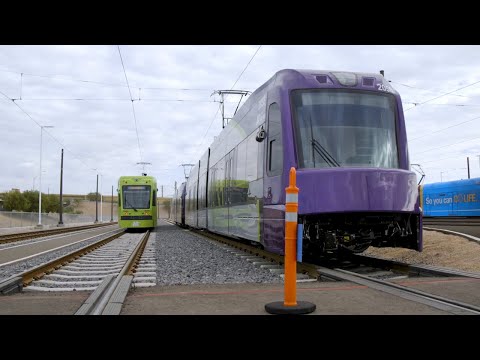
(344,133)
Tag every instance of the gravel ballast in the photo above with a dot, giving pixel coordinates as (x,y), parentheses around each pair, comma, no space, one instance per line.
(184,258)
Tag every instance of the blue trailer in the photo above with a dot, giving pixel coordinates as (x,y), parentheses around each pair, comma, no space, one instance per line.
(459,198)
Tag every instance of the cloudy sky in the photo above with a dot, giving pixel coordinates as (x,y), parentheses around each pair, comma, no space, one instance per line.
(82,92)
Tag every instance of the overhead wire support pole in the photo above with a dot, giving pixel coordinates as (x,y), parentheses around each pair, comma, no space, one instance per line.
(184,171)
(419,170)
(96,203)
(222,101)
(111,209)
(40,178)
(60,221)
(143,163)
(468,167)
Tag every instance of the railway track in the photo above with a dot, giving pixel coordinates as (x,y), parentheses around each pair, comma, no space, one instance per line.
(108,268)
(41,233)
(411,270)
(41,239)
(373,272)
(108,297)
(19,281)
(86,272)
(446,304)
(376,267)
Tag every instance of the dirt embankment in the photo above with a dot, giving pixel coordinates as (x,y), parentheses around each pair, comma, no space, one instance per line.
(439,249)
(88,208)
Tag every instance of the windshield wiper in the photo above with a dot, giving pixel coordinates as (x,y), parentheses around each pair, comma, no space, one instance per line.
(126,201)
(329,159)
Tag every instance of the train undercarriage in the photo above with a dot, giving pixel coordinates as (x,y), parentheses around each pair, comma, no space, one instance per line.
(328,235)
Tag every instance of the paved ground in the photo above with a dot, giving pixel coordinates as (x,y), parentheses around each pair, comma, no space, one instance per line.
(331,298)
(34,303)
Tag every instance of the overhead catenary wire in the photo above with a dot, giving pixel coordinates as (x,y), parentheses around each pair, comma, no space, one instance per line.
(439,147)
(448,127)
(460,105)
(445,158)
(56,77)
(117,99)
(48,133)
(133,107)
(437,97)
(239,76)
(218,109)
(418,88)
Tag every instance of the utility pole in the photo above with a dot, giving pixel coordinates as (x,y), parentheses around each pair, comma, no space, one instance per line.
(40,180)
(96,203)
(468,167)
(111,217)
(60,222)
(101,198)
(162,191)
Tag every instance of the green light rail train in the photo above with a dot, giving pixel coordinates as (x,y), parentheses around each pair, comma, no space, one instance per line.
(137,202)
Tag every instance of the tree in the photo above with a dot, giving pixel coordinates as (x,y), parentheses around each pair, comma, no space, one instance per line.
(14,200)
(92,196)
(51,203)
(31,198)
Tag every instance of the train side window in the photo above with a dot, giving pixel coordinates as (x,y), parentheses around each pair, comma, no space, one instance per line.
(154,198)
(275,142)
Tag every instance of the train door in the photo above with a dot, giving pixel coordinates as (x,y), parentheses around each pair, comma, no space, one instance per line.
(274,189)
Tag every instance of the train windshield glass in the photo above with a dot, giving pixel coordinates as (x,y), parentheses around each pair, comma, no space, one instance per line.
(345,128)
(136,197)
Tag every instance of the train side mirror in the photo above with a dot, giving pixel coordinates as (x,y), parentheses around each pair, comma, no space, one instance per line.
(261,135)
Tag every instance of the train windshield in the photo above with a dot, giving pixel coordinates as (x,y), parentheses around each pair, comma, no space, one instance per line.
(136,197)
(338,128)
